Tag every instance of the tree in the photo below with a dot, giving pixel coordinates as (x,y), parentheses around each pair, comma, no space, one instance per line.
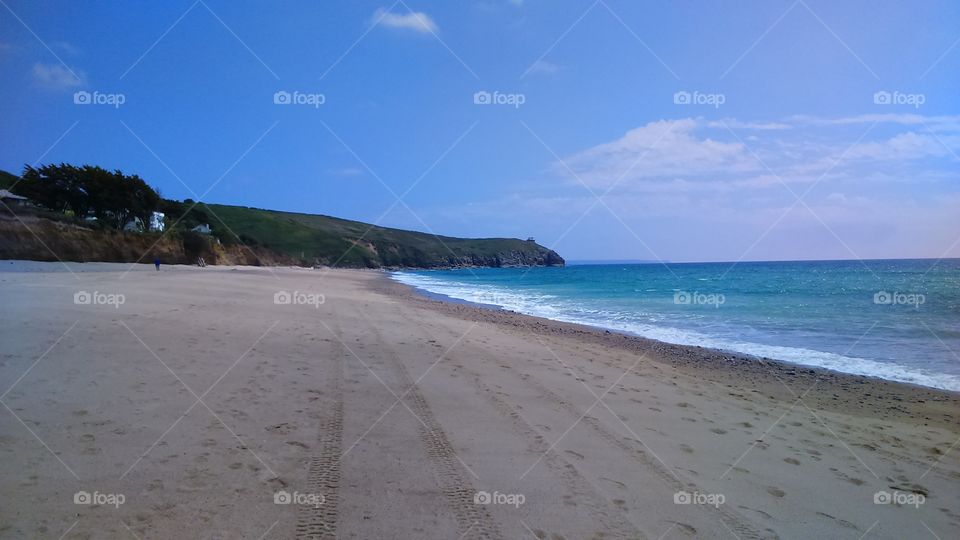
(57,187)
(113,197)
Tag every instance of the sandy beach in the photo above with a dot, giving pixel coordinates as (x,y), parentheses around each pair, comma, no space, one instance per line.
(244,402)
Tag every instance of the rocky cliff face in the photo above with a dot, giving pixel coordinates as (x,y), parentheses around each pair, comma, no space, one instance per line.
(507,259)
(34,238)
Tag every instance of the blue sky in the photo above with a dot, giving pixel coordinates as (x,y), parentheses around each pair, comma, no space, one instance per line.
(684,131)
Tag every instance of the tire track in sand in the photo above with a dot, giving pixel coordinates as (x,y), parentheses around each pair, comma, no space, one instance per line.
(733,520)
(473,520)
(578,487)
(323,476)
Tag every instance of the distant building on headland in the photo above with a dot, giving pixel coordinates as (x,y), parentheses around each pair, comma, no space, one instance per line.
(134,225)
(202,229)
(530,239)
(156,221)
(12,200)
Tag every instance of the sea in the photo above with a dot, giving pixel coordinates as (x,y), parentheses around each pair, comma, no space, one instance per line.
(893,319)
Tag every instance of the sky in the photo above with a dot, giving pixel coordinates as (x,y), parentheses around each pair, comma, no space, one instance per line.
(606,129)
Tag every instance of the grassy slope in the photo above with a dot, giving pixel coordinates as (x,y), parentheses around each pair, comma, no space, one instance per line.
(334,241)
(326,238)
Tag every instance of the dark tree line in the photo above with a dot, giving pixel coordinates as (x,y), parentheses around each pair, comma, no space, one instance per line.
(111,196)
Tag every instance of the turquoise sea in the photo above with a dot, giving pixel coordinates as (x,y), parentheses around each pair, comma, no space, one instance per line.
(894,319)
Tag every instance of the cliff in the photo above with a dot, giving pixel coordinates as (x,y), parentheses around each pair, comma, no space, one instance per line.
(262,237)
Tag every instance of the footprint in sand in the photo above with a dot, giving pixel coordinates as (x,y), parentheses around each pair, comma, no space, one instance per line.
(791,461)
(282,429)
(760,512)
(842,522)
(689,529)
(776,492)
(621,485)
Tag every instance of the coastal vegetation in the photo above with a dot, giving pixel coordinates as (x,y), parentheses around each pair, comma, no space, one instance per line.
(99,204)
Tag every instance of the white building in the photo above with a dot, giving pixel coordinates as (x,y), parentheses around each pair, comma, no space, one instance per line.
(156,221)
(11,199)
(134,225)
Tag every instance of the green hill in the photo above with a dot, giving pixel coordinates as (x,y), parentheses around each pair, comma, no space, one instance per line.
(340,242)
(62,192)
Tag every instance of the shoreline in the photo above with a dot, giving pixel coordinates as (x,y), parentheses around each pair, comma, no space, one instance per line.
(779,379)
(401,410)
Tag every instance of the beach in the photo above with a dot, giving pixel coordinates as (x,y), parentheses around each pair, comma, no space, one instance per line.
(269,402)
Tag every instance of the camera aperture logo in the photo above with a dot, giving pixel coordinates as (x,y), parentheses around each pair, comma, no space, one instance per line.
(97,498)
(297,298)
(884,97)
(510,499)
(885,298)
(899,498)
(97,298)
(497,98)
(696,97)
(686,298)
(710,499)
(315,100)
(302,499)
(83,97)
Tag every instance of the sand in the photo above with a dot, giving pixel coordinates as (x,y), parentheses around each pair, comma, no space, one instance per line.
(185,410)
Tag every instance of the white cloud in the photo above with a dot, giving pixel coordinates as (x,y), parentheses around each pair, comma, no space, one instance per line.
(56,76)
(733,123)
(934,123)
(902,147)
(66,47)
(415,20)
(667,148)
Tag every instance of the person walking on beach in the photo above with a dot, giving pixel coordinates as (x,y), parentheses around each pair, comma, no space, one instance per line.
(156,262)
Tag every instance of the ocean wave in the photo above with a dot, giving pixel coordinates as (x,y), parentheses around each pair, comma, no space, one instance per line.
(550,307)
